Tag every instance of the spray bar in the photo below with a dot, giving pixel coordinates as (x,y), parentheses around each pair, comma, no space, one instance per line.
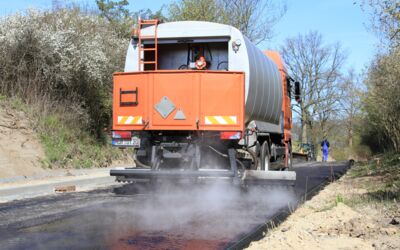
(140,173)
(285,178)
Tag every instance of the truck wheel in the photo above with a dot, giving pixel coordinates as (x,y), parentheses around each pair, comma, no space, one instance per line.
(265,156)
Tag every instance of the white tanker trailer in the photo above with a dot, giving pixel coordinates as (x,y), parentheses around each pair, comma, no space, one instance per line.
(198,99)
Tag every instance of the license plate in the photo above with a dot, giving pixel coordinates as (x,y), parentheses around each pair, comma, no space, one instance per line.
(133,142)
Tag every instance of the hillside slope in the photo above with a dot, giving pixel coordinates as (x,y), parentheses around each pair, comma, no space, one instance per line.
(20,150)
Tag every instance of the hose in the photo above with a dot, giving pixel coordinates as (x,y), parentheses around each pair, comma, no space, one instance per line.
(209,52)
(253,155)
(241,164)
(218,152)
(188,55)
(226,156)
(139,163)
(219,64)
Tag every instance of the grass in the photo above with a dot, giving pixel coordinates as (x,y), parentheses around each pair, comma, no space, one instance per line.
(360,201)
(64,142)
(18,104)
(339,199)
(386,166)
(65,146)
(381,179)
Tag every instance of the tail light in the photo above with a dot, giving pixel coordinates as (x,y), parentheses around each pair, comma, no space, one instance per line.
(122,134)
(229,135)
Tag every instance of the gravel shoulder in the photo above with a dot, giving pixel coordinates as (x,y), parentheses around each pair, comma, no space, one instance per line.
(342,216)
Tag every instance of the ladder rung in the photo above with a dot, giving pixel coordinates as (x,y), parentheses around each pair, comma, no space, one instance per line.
(148,62)
(147,37)
(149,49)
(142,26)
(148,21)
(148,24)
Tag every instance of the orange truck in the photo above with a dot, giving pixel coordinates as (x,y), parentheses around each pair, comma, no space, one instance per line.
(198,100)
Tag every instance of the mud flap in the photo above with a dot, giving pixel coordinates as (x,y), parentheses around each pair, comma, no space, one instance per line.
(287,178)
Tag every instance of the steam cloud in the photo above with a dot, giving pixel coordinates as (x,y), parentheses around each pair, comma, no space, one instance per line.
(210,211)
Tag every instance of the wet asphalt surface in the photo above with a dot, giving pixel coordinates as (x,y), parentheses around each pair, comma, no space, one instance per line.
(206,216)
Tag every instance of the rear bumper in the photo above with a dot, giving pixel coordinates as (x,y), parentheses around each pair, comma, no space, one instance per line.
(286,178)
(141,173)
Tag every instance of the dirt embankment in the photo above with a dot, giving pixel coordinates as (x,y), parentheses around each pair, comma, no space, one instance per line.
(342,216)
(20,149)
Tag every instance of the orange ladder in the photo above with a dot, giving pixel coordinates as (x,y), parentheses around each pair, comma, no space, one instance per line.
(142,50)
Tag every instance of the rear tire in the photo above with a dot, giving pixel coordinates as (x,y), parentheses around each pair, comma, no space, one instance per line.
(265,156)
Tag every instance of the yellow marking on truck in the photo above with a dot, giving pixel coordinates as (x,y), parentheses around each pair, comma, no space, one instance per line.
(130,120)
(220,120)
(230,119)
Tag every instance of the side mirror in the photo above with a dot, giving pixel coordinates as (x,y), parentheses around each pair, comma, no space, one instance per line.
(297,92)
(289,87)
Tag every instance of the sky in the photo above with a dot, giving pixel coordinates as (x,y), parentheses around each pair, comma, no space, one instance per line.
(337,21)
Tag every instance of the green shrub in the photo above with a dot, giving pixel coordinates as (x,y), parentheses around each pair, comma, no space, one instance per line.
(382,103)
(65,56)
(66,146)
(57,67)
(387,167)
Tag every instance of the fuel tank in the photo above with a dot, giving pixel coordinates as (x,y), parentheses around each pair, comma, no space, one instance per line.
(263,83)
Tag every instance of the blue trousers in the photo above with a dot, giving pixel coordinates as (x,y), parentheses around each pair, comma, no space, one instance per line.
(325,154)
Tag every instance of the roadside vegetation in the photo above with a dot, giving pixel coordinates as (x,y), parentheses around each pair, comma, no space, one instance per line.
(381,179)
(378,126)
(57,67)
(64,142)
(372,185)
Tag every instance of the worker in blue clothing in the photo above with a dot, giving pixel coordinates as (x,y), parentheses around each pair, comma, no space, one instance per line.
(325,149)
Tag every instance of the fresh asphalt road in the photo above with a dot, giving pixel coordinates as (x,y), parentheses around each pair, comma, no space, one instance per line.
(211,216)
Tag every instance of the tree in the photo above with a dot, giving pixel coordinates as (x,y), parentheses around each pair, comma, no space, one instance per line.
(382,99)
(113,11)
(117,13)
(350,103)
(382,103)
(385,19)
(317,67)
(255,18)
(196,10)
(149,14)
